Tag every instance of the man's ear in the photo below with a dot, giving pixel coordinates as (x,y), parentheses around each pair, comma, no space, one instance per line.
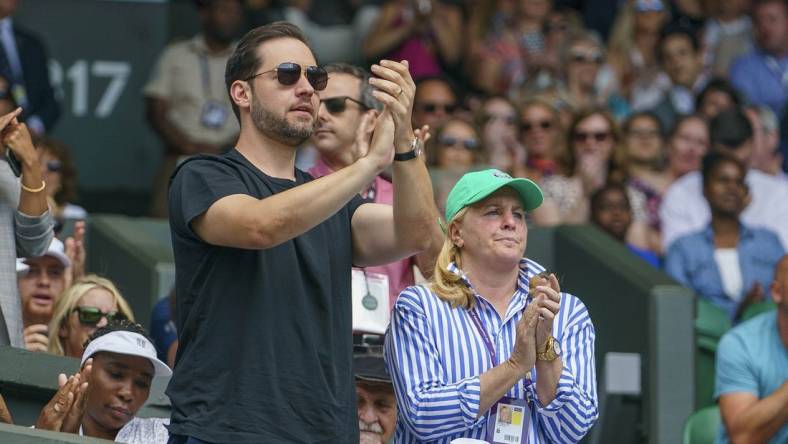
(241,94)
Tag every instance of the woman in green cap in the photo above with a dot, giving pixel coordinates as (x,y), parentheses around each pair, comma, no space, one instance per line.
(481,339)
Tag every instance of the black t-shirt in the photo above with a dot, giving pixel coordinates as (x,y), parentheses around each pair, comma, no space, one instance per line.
(265,351)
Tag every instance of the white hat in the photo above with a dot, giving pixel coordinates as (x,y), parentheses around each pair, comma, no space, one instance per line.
(56,250)
(21,267)
(127,343)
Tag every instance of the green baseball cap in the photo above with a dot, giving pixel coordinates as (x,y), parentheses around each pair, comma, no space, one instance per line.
(476,186)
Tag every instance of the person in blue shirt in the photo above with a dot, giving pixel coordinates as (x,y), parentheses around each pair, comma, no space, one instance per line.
(728,263)
(762,75)
(752,373)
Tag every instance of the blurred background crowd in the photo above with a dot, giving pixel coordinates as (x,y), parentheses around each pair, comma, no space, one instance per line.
(664,123)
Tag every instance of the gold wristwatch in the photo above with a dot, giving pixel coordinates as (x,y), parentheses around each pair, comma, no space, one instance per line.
(550,351)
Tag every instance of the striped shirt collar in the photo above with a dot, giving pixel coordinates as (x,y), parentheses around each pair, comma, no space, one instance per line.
(526,271)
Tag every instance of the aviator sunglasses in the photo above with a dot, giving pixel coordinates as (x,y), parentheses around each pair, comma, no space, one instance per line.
(288,74)
(92,315)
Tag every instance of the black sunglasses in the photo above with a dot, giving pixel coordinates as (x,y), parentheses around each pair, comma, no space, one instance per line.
(430,108)
(288,74)
(468,144)
(92,315)
(544,124)
(53,166)
(337,105)
(580,57)
(598,136)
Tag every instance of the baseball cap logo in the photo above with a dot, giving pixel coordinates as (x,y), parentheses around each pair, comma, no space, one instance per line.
(141,343)
(501,175)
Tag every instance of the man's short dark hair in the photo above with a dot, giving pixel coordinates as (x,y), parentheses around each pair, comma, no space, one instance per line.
(675,29)
(244,62)
(118,325)
(730,128)
(721,85)
(713,159)
(446,81)
(362,74)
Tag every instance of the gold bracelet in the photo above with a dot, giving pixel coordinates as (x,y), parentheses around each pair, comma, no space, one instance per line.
(35,190)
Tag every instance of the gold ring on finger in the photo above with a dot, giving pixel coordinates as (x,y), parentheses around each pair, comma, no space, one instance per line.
(400,92)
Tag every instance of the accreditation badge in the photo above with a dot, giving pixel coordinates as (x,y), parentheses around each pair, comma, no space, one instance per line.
(370,294)
(508,422)
(214,115)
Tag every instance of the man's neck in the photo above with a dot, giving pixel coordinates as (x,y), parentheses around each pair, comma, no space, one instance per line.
(270,156)
(338,160)
(497,286)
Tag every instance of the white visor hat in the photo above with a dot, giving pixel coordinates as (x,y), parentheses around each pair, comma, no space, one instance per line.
(127,343)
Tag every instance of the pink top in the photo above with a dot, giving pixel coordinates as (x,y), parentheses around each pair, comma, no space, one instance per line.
(400,273)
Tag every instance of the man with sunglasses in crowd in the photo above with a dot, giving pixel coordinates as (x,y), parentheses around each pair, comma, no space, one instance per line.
(434,103)
(263,253)
(345,120)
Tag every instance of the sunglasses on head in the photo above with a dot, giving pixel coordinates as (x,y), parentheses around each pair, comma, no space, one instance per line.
(288,74)
(338,105)
(597,136)
(430,108)
(544,124)
(468,144)
(92,315)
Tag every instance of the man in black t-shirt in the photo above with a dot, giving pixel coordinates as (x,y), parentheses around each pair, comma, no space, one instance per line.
(263,253)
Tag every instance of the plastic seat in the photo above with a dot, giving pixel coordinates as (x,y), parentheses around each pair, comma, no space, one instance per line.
(702,426)
(711,323)
(758,308)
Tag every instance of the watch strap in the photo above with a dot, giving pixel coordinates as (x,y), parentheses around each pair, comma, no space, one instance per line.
(405,156)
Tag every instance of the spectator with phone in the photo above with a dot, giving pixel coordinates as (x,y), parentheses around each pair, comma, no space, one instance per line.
(27,223)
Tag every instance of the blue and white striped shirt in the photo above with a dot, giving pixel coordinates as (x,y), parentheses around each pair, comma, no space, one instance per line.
(435,356)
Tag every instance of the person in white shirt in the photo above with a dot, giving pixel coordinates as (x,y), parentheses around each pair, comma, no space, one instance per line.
(684,210)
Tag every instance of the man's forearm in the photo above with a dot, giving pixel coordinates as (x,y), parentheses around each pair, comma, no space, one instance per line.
(269,222)
(415,215)
(763,420)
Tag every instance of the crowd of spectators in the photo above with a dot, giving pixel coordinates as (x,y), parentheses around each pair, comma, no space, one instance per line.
(664,124)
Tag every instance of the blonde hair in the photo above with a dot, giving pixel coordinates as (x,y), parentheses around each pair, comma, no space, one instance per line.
(447,285)
(69,300)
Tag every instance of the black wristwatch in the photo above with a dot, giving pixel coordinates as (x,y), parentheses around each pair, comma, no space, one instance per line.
(415,151)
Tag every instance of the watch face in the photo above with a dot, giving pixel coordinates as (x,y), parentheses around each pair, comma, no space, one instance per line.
(417,146)
(557,348)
